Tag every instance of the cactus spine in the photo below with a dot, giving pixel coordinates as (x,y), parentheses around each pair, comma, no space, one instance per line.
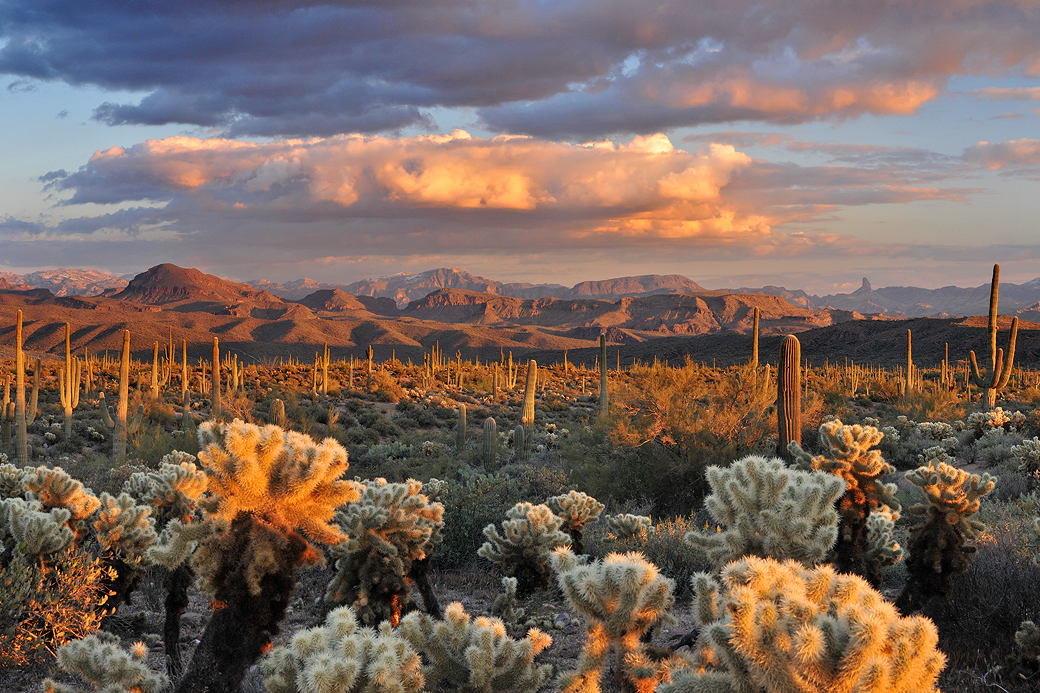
(68,384)
(789,395)
(604,396)
(460,431)
(119,426)
(215,378)
(489,445)
(1000,367)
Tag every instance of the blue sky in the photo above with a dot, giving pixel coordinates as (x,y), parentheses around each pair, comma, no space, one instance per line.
(737,143)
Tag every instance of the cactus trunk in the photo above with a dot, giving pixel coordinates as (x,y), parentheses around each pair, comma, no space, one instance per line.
(215,380)
(604,395)
(489,445)
(21,435)
(528,414)
(754,342)
(460,431)
(789,396)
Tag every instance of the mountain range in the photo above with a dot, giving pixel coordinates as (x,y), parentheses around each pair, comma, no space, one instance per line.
(645,317)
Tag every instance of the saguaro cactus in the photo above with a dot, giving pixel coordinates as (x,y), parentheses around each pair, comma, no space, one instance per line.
(789,395)
(754,342)
(489,444)
(460,430)
(68,384)
(215,378)
(119,426)
(604,395)
(1000,363)
(528,414)
(21,435)
(908,387)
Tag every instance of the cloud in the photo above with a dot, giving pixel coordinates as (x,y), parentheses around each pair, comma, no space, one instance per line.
(1008,93)
(509,197)
(582,69)
(1011,154)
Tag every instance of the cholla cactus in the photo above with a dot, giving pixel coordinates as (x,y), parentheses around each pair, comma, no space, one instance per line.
(505,606)
(939,545)
(106,667)
(124,528)
(54,488)
(172,491)
(340,657)
(12,480)
(784,628)
(522,549)
(33,530)
(476,656)
(627,526)
(851,455)
(882,548)
(982,421)
(391,528)
(770,511)
(271,493)
(1028,454)
(936,430)
(623,597)
(576,509)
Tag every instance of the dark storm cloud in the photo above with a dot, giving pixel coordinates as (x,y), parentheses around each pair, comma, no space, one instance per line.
(582,69)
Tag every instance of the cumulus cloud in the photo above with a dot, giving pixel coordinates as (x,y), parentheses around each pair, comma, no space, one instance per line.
(580,69)
(1024,152)
(455,194)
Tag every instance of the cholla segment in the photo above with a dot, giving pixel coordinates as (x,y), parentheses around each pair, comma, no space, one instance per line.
(172,491)
(784,628)
(771,511)
(522,548)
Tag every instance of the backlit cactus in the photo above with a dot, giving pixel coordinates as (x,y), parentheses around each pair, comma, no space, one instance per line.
(391,528)
(528,414)
(604,393)
(119,426)
(32,530)
(341,657)
(460,430)
(576,509)
(789,395)
(476,655)
(626,526)
(524,546)
(851,453)
(1000,363)
(106,667)
(272,493)
(69,375)
(939,545)
(622,597)
(770,511)
(776,627)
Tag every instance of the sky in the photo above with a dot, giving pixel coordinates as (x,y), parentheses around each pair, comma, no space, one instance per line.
(796,143)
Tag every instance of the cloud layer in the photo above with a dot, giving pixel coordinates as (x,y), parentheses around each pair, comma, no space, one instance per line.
(581,69)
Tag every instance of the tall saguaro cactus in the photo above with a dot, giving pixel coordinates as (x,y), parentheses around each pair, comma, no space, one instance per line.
(1000,363)
(604,395)
(120,426)
(909,386)
(754,341)
(68,384)
(528,414)
(789,395)
(215,377)
(21,435)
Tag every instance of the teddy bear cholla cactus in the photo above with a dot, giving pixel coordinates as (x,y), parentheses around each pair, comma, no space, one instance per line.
(576,509)
(851,454)
(25,526)
(476,655)
(271,494)
(770,511)
(107,667)
(1028,454)
(340,657)
(623,597)
(523,547)
(784,628)
(391,529)
(628,526)
(939,545)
